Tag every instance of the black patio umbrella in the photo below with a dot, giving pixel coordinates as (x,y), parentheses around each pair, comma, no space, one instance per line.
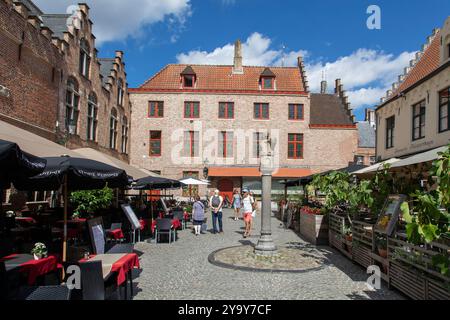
(73,174)
(15,163)
(152,183)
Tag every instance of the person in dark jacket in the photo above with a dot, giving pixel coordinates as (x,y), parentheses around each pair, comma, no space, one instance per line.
(198,215)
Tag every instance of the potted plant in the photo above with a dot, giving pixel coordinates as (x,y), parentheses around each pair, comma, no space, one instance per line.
(348,234)
(39,251)
(76,215)
(381,244)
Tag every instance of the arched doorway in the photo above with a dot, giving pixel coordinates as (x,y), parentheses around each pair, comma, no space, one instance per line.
(226,188)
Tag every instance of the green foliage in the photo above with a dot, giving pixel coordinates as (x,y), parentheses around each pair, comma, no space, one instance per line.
(442,263)
(340,190)
(188,209)
(429,220)
(90,201)
(381,185)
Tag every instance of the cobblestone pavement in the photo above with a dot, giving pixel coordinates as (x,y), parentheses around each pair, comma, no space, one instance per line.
(181,271)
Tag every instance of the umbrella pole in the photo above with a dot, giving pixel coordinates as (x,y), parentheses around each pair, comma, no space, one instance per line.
(65,219)
(2,215)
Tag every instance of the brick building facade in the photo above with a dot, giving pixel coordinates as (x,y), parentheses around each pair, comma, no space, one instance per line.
(190,117)
(56,85)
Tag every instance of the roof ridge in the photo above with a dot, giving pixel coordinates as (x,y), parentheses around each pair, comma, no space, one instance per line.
(56,15)
(413,65)
(155,75)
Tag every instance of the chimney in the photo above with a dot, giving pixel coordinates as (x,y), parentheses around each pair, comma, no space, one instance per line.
(370,117)
(119,54)
(338,84)
(238,68)
(84,8)
(323,87)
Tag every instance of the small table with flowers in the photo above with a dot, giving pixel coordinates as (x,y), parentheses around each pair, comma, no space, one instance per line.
(26,264)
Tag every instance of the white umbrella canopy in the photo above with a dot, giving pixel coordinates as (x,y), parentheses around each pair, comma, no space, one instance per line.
(194,182)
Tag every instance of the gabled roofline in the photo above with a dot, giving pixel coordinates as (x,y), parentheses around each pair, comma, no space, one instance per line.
(415,85)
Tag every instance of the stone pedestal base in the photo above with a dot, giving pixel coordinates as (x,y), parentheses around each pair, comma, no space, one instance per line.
(266,247)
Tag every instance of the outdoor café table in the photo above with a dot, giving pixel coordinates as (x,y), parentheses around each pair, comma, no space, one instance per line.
(143,224)
(26,219)
(176,224)
(80,221)
(116,234)
(121,264)
(25,263)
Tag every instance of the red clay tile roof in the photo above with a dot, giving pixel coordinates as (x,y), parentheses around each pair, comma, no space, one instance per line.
(221,78)
(426,65)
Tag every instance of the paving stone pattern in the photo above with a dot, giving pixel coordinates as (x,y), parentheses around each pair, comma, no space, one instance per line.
(181,270)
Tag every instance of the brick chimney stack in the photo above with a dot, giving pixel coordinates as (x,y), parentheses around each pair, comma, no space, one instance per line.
(238,67)
(338,86)
(323,87)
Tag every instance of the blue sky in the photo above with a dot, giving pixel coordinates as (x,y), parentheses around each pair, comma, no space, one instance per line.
(331,35)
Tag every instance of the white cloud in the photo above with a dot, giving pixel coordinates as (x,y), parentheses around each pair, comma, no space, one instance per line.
(117,19)
(366,74)
(256,52)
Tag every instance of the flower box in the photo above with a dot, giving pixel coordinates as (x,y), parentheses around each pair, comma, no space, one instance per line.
(314,227)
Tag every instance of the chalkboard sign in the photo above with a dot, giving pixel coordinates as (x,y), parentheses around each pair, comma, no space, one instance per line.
(389,215)
(134,221)
(163,203)
(97,234)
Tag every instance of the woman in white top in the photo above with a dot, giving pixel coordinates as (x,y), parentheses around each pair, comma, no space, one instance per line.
(248,207)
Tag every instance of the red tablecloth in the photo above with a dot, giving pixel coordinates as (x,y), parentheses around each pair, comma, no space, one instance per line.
(76,221)
(143,224)
(116,234)
(125,264)
(26,219)
(122,266)
(176,224)
(36,268)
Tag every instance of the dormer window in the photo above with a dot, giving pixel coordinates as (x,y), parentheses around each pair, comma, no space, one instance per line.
(188,81)
(188,77)
(267,83)
(267,80)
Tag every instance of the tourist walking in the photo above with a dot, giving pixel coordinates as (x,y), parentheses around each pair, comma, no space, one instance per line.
(248,206)
(216,204)
(198,215)
(237,204)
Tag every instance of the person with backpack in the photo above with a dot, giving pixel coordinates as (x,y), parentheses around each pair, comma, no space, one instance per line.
(248,204)
(198,215)
(216,204)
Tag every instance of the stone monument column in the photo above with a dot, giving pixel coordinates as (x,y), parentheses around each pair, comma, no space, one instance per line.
(266,246)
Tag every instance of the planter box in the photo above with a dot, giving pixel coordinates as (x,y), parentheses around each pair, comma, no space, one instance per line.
(314,228)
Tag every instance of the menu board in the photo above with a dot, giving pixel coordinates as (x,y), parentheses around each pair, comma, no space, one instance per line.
(134,221)
(99,239)
(163,203)
(97,235)
(389,215)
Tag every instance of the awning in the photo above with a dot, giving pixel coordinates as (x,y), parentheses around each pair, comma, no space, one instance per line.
(254,172)
(131,170)
(419,158)
(32,143)
(376,167)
